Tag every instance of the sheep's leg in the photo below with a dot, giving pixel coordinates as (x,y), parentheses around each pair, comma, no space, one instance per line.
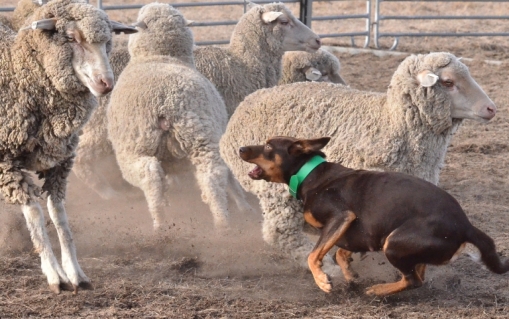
(212,176)
(237,193)
(283,223)
(55,184)
(57,278)
(69,260)
(146,173)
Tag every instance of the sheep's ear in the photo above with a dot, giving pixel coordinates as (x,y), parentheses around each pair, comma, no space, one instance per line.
(140,24)
(313,74)
(307,146)
(427,78)
(44,24)
(118,28)
(189,22)
(271,16)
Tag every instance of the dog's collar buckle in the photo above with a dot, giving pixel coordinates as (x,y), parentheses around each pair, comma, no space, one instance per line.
(303,172)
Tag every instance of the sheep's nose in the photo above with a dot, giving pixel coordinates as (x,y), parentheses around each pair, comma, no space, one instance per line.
(105,81)
(492,109)
(318,42)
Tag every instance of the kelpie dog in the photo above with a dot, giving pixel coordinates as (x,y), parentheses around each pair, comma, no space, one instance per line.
(414,222)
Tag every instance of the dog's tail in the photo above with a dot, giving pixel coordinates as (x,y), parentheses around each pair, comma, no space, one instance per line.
(489,255)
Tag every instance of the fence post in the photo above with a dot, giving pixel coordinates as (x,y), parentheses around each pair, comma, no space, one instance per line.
(306,13)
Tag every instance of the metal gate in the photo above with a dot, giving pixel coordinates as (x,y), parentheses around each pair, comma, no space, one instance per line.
(378,34)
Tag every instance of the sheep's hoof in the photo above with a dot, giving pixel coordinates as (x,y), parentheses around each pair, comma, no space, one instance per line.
(55,288)
(66,286)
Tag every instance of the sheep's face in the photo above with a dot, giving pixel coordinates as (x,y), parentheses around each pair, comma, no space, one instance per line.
(295,35)
(90,61)
(467,99)
(76,39)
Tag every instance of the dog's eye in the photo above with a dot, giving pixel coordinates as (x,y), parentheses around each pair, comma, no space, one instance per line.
(268,147)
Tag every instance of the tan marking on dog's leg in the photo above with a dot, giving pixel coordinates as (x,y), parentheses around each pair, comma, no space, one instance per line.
(387,241)
(343,258)
(310,219)
(457,253)
(316,256)
(406,282)
(420,269)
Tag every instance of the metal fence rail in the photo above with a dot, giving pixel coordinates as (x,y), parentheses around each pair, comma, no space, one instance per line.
(371,24)
(377,35)
(365,33)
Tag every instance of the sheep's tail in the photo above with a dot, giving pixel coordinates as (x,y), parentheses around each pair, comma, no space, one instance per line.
(489,255)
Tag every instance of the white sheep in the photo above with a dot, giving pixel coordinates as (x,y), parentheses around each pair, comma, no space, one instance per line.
(253,58)
(163,109)
(407,130)
(321,66)
(49,73)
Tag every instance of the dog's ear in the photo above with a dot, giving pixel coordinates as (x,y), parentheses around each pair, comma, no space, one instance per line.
(307,146)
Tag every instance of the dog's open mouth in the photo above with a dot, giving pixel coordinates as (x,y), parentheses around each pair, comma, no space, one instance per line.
(256,173)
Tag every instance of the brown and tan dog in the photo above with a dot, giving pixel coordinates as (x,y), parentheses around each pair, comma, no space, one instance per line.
(413,222)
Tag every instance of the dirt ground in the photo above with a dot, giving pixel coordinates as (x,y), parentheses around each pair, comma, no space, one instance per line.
(190,271)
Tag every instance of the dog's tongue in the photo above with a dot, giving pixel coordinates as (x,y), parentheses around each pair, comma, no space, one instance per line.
(256,172)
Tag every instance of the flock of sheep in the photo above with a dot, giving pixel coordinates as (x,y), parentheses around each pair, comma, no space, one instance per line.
(173,101)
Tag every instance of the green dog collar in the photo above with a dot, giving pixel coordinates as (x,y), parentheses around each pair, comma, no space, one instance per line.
(303,172)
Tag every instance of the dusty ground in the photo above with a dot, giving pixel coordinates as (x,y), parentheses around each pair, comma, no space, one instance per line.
(189,271)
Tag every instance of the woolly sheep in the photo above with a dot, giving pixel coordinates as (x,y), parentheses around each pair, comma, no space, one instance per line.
(162,109)
(253,59)
(46,86)
(321,66)
(407,130)
(94,143)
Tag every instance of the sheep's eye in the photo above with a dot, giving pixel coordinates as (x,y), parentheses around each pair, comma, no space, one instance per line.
(284,22)
(69,38)
(448,83)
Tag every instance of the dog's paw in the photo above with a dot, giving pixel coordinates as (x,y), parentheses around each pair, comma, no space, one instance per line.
(323,281)
(380,290)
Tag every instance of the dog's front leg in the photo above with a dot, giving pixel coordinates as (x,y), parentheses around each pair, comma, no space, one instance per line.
(331,233)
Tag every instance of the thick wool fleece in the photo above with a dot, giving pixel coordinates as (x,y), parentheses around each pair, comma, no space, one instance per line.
(142,45)
(155,88)
(406,130)
(5,21)
(252,60)
(295,64)
(44,105)
(24,9)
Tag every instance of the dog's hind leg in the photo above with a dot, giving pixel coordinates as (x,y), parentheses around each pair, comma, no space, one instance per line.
(402,253)
(331,233)
(343,258)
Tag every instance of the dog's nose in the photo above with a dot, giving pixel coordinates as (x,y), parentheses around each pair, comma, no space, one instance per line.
(242,150)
